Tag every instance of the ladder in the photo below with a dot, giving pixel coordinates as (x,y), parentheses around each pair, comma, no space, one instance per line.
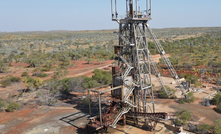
(157,73)
(166,60)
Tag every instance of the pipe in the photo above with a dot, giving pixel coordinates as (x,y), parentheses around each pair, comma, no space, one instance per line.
(112,9)
(100,114)
(116,8)
(133,7)
(150,8)
(147,7)
(89,102)
(136,10)
(127,8)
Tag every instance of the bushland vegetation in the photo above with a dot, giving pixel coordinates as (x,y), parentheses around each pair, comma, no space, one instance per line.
(190,49)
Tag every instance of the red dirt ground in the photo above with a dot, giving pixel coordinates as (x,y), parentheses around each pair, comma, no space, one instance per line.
(21,121)
(81,68)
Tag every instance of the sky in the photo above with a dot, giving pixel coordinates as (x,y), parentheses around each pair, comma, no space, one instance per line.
(74,15)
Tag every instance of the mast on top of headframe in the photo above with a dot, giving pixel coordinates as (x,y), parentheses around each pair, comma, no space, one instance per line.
(133,11)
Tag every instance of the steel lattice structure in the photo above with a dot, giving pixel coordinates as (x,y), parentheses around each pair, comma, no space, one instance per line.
(132,83)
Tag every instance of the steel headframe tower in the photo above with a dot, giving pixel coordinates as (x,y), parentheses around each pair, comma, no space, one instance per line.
(132,83)
(134,59)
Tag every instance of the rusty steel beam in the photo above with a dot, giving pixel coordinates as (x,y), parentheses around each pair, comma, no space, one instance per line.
(149,115)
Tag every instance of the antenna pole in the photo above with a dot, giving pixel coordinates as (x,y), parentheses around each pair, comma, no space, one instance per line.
(116,8)
(112,9)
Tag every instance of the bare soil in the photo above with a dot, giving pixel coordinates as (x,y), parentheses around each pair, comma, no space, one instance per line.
(35,119)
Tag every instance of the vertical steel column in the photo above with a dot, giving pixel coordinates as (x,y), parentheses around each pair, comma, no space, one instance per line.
(150,9)
(147,8)
(89,97)
(145,90)
(116,8)
(100,114)
(130,8)
(136,10)
(133,8)
(127,8)
(112,14)
(148,60)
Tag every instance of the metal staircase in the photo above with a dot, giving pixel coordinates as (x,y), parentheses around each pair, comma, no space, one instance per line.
(125,99)
(120,113)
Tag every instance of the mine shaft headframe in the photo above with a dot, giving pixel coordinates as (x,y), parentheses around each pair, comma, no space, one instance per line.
(135,10)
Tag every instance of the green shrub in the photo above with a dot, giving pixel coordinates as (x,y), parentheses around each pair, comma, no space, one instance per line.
(12,107)
(154,91)
(29,80)
(9,80)
(217,99)
(197,84)
(45,69)
(163,95)
(102,77)
(181,101)
(185,115)
(24,74)
(189,77)
(15,79)
(217,127)
(171,93)
(85,102)
(35,70)
(2,105)
(40,74)
(5,83)
(182,117)
(32,83)
(178,122)
(77,84)
(173,97)
(182,75)
(190,97)
(192,78)
(90,83)
(218,108)
(204,128)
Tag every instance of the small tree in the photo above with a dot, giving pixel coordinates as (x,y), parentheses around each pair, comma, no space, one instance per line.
(12,107)
(89,60)
(102,77)
(24,74)
(218,108)
(197,84)
(2,105)
(32,83)
(217,127)
(38,82)
(3,67)
(29,82)
(192,78)
(190,97)
(204,128)
(163,95)
(182,117)
(48,64)
(216,99)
